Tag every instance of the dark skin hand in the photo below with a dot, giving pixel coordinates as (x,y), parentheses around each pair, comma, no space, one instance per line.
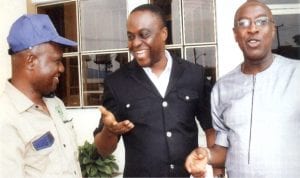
(197,160)
(196,163)
(106,141)
(111,123)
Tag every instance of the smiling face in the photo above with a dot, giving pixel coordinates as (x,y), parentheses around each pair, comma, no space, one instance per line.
(48,68)
(146,37)
(255,40)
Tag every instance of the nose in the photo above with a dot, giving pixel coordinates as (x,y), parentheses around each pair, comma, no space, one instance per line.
(136,42)
(253,28)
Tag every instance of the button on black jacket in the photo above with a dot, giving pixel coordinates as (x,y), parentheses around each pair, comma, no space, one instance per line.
(165,130)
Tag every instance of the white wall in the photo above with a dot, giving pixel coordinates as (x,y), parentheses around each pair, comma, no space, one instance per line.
(10,10)
(229,54)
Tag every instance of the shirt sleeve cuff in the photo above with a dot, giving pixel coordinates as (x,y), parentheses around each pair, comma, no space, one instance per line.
(222,139)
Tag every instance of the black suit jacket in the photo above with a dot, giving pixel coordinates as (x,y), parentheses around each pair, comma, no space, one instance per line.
(165,130)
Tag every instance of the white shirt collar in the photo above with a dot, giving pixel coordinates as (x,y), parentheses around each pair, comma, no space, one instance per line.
(162,81)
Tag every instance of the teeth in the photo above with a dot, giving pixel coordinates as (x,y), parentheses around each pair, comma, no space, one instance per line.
(140,53)
(253,40)
(253,43)
(56,78)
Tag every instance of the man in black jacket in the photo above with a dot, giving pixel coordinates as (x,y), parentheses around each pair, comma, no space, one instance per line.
(153,102)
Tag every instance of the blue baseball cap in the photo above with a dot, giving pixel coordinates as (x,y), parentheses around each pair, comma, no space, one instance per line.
(31,30)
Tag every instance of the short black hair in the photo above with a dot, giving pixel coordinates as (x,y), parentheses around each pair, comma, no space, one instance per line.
(154,9)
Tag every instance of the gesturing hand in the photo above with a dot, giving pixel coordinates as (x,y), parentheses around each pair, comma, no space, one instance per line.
(111,123)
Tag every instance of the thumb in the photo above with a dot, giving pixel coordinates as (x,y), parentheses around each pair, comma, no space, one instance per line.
(201,153)
(103,110)
(107,116)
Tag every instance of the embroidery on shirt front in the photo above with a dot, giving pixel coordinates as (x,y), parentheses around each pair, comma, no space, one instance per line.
(59,111)
(61,114)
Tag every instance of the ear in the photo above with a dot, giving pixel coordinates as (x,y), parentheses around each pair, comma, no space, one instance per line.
(164,33)
(234,33)
(273,31)
(30,61)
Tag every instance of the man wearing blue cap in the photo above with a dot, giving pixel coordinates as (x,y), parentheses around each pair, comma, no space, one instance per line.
(37,137)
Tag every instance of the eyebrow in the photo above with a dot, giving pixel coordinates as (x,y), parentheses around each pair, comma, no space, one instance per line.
(143,29)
